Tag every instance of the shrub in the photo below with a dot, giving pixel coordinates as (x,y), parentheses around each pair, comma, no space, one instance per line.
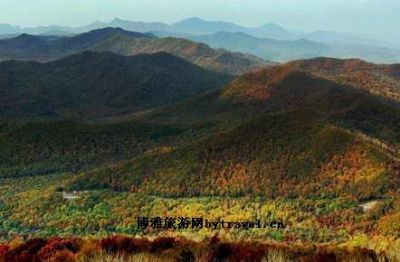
(127,245)
(57,247)
(26,252)
(162,243)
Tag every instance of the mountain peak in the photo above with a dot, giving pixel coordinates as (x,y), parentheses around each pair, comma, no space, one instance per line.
(26,36)
(27,39)
(117,20)
(108,31)
(272,26)
(192,19)
(259,85)
(329,63)
(203,21)
(195,25)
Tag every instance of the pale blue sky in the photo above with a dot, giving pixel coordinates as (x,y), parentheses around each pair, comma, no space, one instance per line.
(379,18)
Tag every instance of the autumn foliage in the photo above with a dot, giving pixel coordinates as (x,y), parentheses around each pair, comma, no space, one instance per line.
(174,249)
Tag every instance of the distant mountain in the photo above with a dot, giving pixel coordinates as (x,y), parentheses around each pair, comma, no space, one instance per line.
(43,49)
(189,26)
(142,27)
(196,25)
(310,44)
(90,83)
(264,47)
(6,29)
(87,40)
(330,45)
(8,36)
(273,31)
(337,37)
(119,41)
(22,43)
(48,30)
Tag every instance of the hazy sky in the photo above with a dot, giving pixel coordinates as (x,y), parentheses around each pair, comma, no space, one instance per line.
(379,18)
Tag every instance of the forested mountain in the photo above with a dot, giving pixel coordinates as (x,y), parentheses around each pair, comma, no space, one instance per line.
(279,128)
(296,106)
(94,84)
(119,41)
(381,80)
(312,142)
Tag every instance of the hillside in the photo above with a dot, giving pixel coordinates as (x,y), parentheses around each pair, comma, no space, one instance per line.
(301,84)
(287,143)
(264,157)
(381,80)
(119,41)
(306,131)
(100,84)
(47,147)
(197,53)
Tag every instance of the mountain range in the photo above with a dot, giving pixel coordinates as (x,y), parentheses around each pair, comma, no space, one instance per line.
(270,41)
(117,40)
(188,26)
(314,45)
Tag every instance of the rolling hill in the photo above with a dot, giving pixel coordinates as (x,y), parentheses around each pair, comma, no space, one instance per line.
(47,147)
(253,93)
(119,41)
(381,80)
(94,84)
(272,130)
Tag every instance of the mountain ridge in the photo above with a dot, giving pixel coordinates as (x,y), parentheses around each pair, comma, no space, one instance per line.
(302,47)
(127,43)
(323,42)
(138,82)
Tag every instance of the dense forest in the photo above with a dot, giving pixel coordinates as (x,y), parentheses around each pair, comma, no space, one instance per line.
(305,143)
